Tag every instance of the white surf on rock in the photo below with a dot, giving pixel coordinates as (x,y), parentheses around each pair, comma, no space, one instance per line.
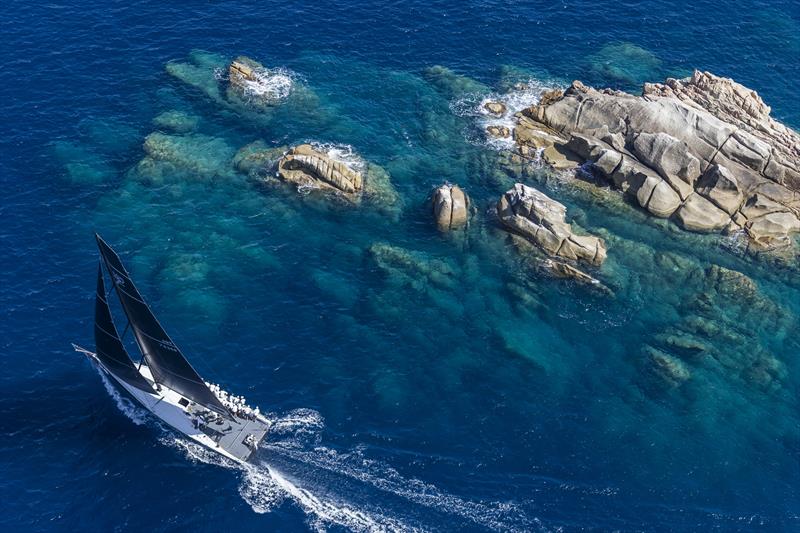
(270,83)
(516,99)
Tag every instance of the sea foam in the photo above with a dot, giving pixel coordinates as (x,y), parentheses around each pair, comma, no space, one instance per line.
(522,96)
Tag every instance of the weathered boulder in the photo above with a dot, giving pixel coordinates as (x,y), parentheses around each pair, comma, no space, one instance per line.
(735,104)
(303,166)
(243,69)
(500,132)
(698,214)
(773,229)
(550,96)
(541,220)
(670,158)
(559,157)
(720,186)
(658,197)
(450,207)
(495,108)
(532,136)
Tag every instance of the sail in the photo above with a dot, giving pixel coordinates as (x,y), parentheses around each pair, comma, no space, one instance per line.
(166,362)
(110,350)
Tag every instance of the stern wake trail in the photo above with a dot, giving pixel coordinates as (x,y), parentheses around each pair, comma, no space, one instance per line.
(332,488)
(262,486)
(360,479)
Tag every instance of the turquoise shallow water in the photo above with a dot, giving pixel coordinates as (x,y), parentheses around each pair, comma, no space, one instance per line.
(416,380)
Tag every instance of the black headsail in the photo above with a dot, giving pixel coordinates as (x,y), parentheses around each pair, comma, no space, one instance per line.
(110,349)
(166,362)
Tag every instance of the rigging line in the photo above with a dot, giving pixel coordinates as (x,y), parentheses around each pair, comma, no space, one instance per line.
(98,326)
(129,295)
(183,378)
(106,354)
(175,346)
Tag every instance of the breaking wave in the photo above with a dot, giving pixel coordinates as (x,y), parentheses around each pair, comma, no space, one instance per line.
(270,83)
(520,97)
(343,153)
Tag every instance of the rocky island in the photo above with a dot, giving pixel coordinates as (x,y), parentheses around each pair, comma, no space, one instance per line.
(702,151)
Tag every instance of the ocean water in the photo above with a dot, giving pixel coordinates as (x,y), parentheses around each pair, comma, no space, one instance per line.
(417,381)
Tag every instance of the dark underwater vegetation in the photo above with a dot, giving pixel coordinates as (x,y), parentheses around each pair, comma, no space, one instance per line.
(417,379)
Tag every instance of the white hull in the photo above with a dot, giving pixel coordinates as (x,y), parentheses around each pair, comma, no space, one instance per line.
(235,439)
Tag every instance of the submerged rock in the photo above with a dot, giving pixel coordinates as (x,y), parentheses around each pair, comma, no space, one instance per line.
(541,220)
(200,72)
(380,192)
(624,62)
(82,166)
(413,268)
(452,84)
(718,332)
(562,270)
(177,121)
(671,369)
(248,88)
(184,157)
(450,207)
(700,150)
(258,159)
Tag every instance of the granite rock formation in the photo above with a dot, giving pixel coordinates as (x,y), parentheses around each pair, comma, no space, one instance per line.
(450,207)
(309,168)
(702,151)
(541,220)
(303,166)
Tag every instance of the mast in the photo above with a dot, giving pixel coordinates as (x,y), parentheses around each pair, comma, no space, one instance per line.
(166,362)
(108,344)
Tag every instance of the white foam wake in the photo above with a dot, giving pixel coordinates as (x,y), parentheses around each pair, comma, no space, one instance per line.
(323,512)
(296,436)
(499,516)
(136,414)
(265,488)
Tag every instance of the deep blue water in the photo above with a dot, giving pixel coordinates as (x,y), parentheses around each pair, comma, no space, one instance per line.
(401,401)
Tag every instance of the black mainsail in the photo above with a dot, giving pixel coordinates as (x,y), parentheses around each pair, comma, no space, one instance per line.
(166,362)
(110,349)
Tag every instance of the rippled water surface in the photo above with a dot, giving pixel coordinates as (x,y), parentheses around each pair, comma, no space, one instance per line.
(416,381)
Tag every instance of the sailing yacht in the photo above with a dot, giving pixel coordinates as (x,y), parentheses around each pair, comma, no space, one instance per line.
(163,381)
